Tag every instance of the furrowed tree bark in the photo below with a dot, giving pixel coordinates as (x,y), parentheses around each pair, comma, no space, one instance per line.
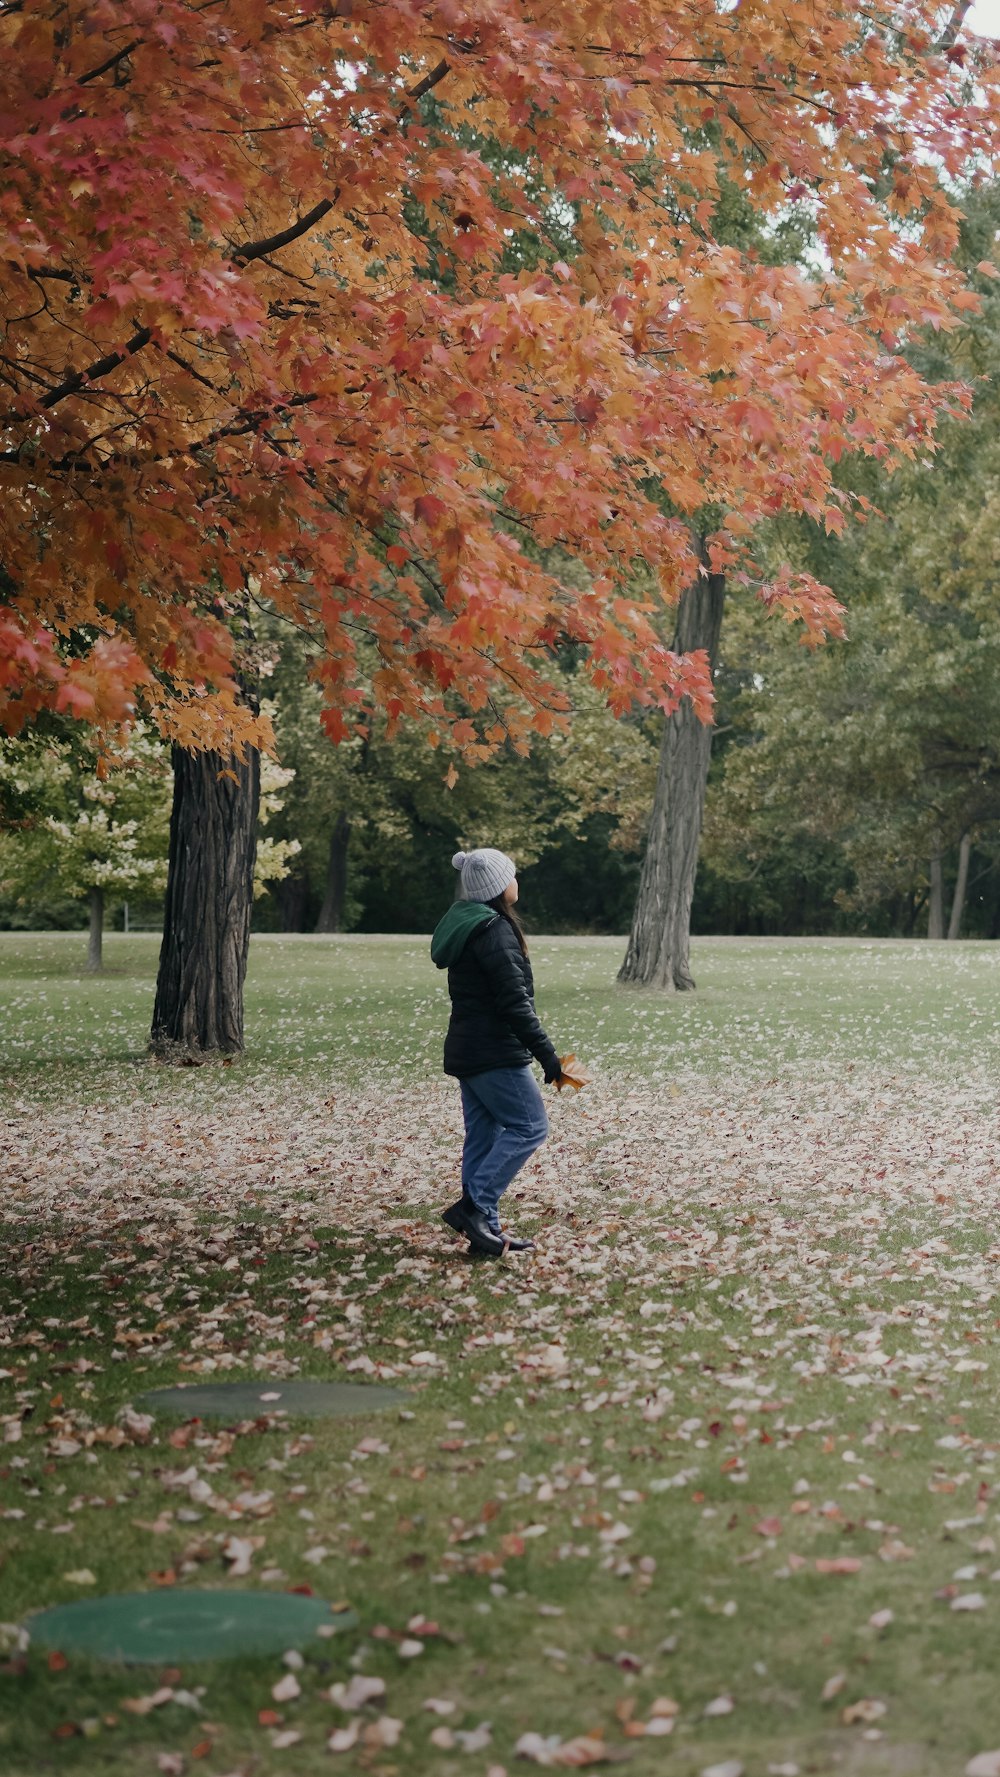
(206,920)
(331,914)
(935,902)
(95,939)
(961,887)
(659,945)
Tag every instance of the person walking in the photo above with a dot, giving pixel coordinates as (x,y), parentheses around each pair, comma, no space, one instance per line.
(493,1033)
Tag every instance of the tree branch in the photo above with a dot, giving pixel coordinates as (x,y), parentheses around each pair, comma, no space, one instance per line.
(71,384)
(183,364)
(39,274)
(424,86)
(257,249)
(947,38)
(112,62)
(272,244)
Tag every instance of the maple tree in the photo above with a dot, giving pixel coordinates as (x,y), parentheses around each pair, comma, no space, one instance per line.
(277,326)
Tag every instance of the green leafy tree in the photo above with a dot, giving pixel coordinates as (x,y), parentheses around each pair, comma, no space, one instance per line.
(886,746)
(377,818)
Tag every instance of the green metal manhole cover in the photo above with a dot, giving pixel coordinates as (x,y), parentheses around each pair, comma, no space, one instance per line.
(318,1400)
(153,1628)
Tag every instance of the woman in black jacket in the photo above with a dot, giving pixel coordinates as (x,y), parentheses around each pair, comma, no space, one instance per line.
(493,1033)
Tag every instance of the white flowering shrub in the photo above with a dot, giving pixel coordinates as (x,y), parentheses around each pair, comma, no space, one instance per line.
(70,823)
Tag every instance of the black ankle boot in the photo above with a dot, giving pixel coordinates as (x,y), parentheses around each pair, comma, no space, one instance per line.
(453,1216)
(469,1220)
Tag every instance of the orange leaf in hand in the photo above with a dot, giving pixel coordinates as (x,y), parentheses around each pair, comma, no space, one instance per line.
(570,1074)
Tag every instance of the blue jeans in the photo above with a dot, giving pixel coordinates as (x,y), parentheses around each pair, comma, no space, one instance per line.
(505,1121)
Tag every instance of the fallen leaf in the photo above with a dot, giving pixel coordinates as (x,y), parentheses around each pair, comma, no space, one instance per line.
(342,1739)
(586,1749)
(358,1691)
(238,1550)
(286,1688)
(658,1726)
(868,1709)
(474,1739)
(383,1732)
(143,1705)
(894,1550)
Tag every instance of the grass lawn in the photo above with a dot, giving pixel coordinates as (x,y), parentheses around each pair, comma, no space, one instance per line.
(707,1481)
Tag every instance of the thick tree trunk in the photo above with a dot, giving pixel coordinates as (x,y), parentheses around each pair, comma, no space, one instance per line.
(292,895)
(206,917)
(95,941)
(659,945)
(935,902)
(961,886)
(331,914)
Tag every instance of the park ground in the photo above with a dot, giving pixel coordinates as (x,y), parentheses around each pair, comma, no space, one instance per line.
(707,1482)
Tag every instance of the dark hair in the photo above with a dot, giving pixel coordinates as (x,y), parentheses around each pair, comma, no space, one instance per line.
(512,920)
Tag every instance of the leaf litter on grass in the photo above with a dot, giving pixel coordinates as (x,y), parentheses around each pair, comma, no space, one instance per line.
(740,1394)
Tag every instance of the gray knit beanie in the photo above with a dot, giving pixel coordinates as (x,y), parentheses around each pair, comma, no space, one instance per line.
(485,874)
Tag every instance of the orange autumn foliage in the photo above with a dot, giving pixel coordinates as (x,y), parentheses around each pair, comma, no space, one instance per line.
(262,338)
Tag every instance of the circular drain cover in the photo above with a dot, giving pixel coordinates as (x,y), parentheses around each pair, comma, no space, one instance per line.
(244,1400)
(164,1628)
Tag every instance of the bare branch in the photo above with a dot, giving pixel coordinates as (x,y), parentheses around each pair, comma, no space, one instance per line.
(183,364)
(79,378)
(112,62)
(257,249)
(64,277)
(430,80)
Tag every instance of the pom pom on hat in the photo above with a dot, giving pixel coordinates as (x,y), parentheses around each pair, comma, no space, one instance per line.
(485,873)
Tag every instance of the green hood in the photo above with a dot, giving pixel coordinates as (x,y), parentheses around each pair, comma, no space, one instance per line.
(452,933)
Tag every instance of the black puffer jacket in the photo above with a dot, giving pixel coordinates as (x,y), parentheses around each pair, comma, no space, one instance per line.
(493,1018)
